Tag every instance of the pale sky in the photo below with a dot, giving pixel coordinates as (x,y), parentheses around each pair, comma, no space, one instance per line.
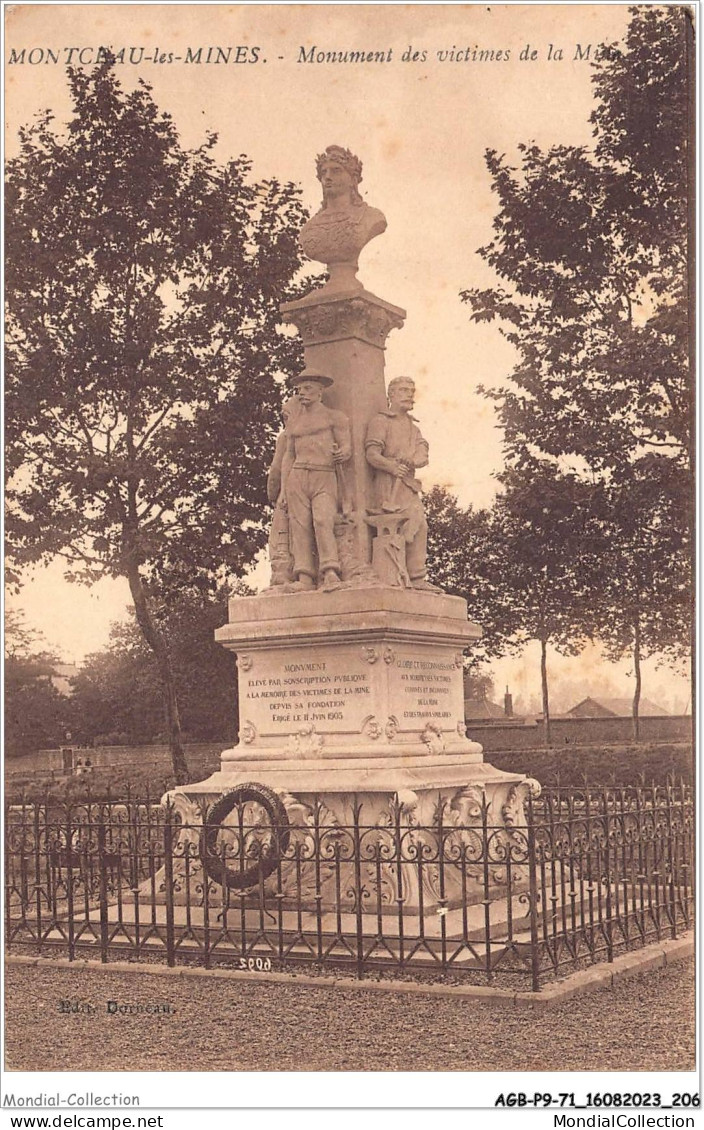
(420,128)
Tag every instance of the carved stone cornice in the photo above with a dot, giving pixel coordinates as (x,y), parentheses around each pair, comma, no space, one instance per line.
(355,315)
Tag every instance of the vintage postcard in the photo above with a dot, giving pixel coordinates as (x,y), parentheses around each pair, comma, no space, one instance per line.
(349,410)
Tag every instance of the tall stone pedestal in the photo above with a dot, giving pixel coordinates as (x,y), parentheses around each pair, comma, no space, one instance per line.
(353,701)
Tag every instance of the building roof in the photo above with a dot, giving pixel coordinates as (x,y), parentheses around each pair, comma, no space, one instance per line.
(482,708)
(594,707)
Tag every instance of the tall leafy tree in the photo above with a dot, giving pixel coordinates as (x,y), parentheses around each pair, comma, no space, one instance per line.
(37,716)
(549,525)
(466,560)
(117,697)
(591,246)
(143,346)
(478,685)
(643,595)
(117,690)
(526,567)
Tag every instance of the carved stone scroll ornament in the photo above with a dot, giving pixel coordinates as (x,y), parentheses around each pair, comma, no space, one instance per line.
(407,802)
(191,814)
(386,881)
(513,810)
(391,727)
(313,832)
(433,737)
(371,728)
(307,743)
(187,868)
(466,805)
(245,661)
(344,318)
(248,732)
(464,814)
(303,814)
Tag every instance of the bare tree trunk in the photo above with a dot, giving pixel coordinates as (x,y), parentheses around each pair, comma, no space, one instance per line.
(161,652)
(636,693)
(544,680)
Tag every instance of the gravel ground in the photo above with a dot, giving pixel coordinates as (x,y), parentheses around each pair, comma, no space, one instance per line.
(643,1024)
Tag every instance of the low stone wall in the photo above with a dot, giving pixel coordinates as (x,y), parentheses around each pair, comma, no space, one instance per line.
(601,764)
(51,760)
(601,746)
(579,731)
(114,757)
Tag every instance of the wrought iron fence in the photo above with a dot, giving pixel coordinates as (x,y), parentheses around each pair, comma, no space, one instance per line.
(584,875)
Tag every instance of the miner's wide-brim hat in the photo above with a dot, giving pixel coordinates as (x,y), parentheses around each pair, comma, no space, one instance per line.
(311,375)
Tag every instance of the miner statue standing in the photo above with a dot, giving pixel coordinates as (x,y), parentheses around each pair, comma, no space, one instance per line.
(395,449)
(318,442)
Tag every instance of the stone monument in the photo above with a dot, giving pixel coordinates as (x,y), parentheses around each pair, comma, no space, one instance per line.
(350,664)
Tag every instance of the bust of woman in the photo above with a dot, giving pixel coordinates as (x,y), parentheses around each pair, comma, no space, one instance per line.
(345,224)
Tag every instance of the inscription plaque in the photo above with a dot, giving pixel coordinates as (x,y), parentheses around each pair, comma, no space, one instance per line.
(336,690)
(333,693)
(426,688)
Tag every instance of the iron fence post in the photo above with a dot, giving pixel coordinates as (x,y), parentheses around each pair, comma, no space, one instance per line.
(442,901)
(207,961)
(318,896)
(486,881)
(169,884)
(8,881)
(38,873)
(358,889)
(400,879)
(689,856)
(134,842)
(69,885)
(672,861)
(102,889)
(24,865)
(533,891)
(607,868)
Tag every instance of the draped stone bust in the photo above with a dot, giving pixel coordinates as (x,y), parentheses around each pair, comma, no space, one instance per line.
(344,224)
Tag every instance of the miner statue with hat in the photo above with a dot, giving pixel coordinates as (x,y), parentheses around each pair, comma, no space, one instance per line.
(318,442)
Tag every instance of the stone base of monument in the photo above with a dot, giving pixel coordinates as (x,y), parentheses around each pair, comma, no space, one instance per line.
(432,849)
(351,707)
